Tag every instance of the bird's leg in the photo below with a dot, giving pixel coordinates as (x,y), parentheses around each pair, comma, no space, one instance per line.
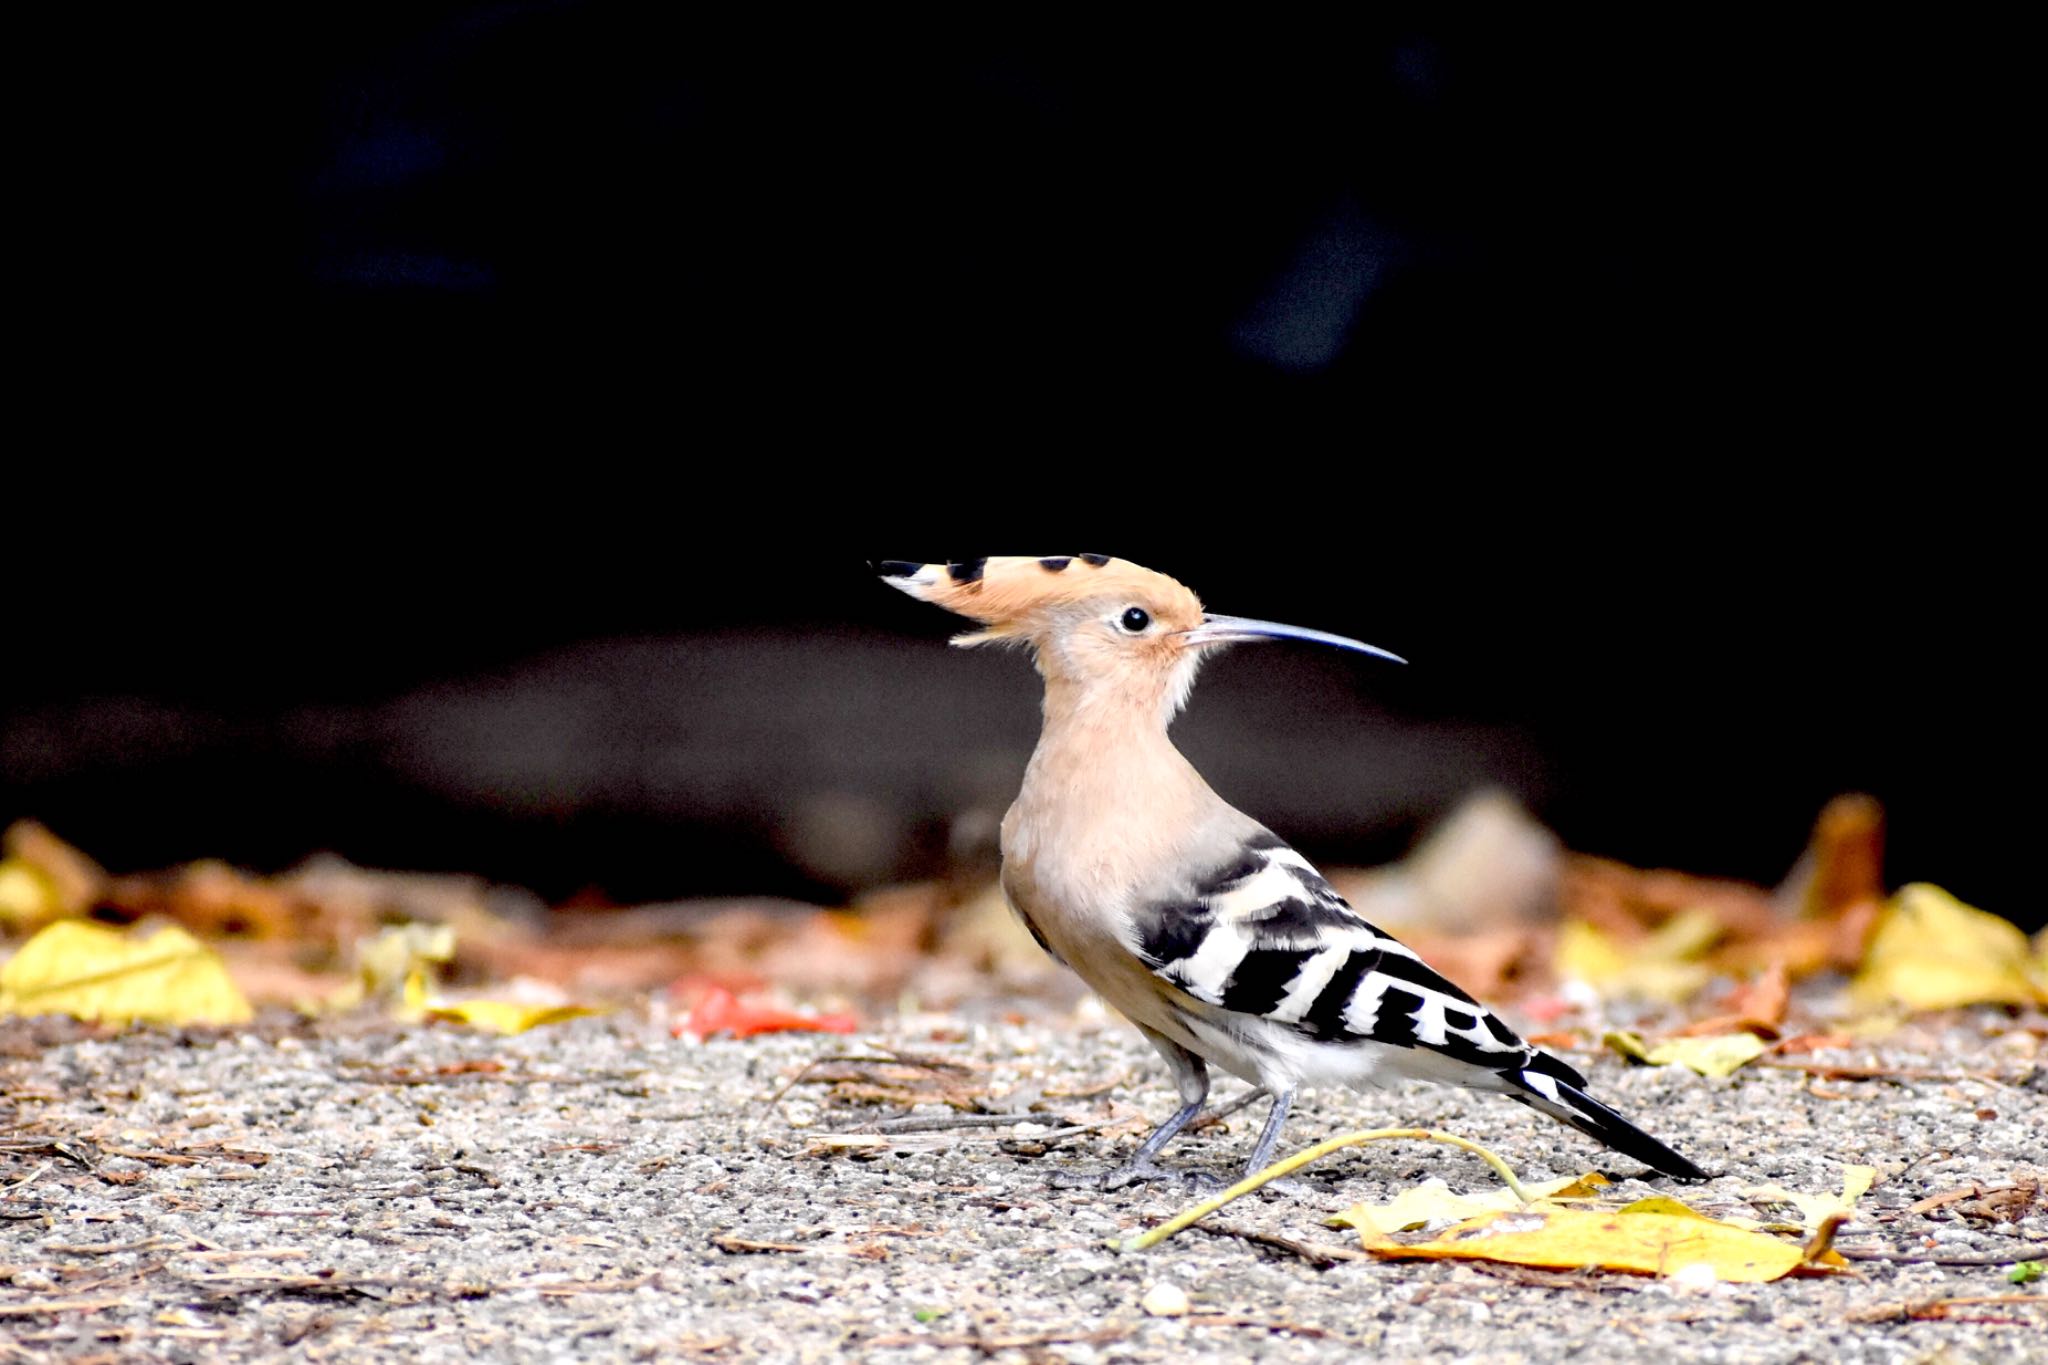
(1191,1078)
(1269,1136)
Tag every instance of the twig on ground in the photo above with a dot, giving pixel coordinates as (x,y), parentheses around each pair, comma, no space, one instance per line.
(1315,1253)
(1938,1308)
(1101,1336)
(50,1146)
(571,1288)
(743,1246)
(940,1123)
(1935,1201)
(1843,1072)
(160,1158)
(108,1248)
(1224,1111)
(2025,1253)
(129,1276)
(31,1310)
(253,1254)
(1300,1329)
(31,1177)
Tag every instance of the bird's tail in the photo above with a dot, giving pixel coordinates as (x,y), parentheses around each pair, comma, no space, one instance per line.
(1548,1084)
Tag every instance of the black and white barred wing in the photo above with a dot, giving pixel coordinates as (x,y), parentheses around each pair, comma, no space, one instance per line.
(1266,939)
(1266,936)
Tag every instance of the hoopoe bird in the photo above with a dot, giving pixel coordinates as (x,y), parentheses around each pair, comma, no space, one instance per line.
(1195,922)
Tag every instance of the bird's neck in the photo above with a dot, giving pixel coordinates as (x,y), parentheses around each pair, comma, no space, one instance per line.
(1104,756)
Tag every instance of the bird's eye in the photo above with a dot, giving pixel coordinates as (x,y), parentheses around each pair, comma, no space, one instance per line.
(1135,620)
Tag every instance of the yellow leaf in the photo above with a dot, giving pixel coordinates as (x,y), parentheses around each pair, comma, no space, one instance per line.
(397,951)
(506,1016)
(95,972)
(1655,969)
(1815,1209)
(27,896)
(1629,1045)
(1650,1243)
(1930,951)
(1720,1055)
(1666,1205)
(394,966)
(1686,935)
(1433,1201)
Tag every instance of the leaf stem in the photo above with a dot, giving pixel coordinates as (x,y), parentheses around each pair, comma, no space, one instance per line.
(1288,1165)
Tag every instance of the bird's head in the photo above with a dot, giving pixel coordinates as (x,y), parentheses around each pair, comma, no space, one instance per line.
(1107,625)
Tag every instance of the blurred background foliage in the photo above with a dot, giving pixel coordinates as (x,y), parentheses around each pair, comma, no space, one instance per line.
(463,430)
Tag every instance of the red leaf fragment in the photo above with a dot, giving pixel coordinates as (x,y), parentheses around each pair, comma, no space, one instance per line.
(720,1011)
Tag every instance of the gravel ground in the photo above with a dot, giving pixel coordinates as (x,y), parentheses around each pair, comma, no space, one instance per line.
(600,1190)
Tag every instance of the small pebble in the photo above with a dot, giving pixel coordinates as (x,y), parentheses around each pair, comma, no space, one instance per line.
(1165,1300)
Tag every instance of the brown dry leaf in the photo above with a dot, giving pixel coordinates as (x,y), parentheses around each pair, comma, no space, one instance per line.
(1646,1238)
(1933,952)
(1757,1007)
(1620,899)
(1843,865)
(92,971)
(869,1081)
(1764,999)
(1486,962)
(210,897)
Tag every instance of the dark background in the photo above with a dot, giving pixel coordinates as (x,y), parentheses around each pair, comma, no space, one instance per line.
(434,415)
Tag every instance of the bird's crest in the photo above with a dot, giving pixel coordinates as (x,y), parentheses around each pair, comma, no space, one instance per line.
(1012,595)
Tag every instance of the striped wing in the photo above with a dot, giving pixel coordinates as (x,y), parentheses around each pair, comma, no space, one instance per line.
(1266,936)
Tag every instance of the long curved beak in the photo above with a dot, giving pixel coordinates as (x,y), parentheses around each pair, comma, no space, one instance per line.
(1222,630)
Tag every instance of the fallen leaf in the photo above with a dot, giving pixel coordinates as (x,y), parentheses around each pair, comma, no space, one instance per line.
(1718,1056)
(42,878)
(1666,1205)
(720,1011)
(92,971)
(210,897)
(1650,1242)
(1814,1209)
(1620,899)
(505,1016)
(1931,952)
(1756,1007)
(1559,1040)
(1433,1201)
(1653,968)
(394,966)
(27,897)
(1843,865)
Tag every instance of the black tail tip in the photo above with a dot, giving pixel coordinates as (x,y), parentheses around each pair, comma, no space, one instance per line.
(894,568)
(1679,1168)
